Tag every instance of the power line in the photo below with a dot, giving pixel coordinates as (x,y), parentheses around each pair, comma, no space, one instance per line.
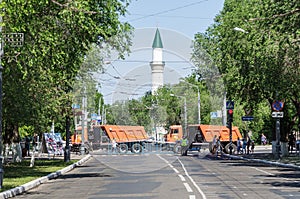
(170,10)
(174,16)
(146,61)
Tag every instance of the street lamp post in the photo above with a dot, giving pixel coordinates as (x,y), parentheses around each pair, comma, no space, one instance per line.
(199,101)
(185,112)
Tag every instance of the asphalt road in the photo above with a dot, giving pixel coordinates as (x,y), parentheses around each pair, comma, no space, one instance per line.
(144,176)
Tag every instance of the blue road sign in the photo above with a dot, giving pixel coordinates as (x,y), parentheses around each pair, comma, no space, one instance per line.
(94,116)
(75,106)
(229,105)
(277,105)
(247,118)
(213,115)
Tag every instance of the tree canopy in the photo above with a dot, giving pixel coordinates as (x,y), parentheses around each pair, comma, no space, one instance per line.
(255,45)
(39,75)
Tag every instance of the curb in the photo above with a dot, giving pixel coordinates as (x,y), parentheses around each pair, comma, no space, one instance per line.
(25,187)
(265,162)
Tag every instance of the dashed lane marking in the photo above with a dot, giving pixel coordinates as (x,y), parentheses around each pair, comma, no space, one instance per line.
(188,188)
(181,177)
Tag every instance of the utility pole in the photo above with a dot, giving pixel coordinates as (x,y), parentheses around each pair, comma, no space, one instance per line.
(83,118)
(100,117)
(185,113)
(277,154)
(199,100)
(1,141)
(16,40)
(185,116)
(224,116)
(230,107)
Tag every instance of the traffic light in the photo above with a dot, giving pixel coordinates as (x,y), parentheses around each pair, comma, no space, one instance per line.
(230,115)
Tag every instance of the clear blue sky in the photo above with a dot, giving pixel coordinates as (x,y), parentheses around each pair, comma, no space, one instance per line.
(187,17)
(178,22)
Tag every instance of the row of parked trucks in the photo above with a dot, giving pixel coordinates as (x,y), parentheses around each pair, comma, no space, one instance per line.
(134,139)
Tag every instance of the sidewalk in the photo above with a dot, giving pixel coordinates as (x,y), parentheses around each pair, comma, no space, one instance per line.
(266,157)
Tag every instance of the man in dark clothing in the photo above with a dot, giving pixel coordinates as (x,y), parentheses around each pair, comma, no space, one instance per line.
(292,141)
(27,145)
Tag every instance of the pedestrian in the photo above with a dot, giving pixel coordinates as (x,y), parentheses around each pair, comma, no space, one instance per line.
(114,146)
(244,145)
(27,145)
(292,141)
(184,144)
(214,145)
(252,146)
(219,146)
(248,145)
(238,145)
(34,142)
(263,139)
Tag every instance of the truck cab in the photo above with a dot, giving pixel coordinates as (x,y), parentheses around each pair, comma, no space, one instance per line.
(174,134)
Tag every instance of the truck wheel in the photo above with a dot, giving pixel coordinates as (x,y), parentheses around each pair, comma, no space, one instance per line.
(227,149)
(177,148)
(123,148)
(136,148)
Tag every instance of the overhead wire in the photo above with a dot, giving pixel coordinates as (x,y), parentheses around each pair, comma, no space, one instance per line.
(175,16)
(169,10)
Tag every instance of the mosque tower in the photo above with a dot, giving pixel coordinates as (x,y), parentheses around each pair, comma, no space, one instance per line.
(157,64)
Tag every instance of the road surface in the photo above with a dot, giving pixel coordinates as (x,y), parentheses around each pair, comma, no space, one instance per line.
(198,175)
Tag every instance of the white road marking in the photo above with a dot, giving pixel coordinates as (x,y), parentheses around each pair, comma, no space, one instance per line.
(263,171)
(192,180)
(181,177)
(176,171)
(192,197)
(188,188)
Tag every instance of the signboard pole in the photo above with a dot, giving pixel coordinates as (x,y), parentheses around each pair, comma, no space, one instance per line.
(230,137)
(277,138)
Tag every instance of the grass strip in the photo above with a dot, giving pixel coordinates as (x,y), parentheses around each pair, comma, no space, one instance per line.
(17,174)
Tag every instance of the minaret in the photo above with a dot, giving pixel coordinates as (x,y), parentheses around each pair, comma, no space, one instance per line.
(157,64)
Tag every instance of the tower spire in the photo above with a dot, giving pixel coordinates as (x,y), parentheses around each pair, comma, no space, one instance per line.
(157,43)
(157,64)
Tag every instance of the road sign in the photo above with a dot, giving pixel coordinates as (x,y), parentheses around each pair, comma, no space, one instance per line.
(94,116)
(213,115)
(277,114)
(277,105)
(229,105)
(247,118)
(75,106)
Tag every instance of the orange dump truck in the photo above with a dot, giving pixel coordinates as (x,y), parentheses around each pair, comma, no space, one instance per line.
(200,136)
(128,138)
(76,140)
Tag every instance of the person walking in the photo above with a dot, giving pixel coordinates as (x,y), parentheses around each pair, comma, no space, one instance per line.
(263,139)
(244,146)
(35,142)
(248,145)
(114,145)
(219,146)
(214,145)
(184,144)
(252,146)
(292,141)
(238,145)
(27,146)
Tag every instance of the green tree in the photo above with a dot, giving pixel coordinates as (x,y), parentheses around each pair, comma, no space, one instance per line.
(39,76)
(259,64)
